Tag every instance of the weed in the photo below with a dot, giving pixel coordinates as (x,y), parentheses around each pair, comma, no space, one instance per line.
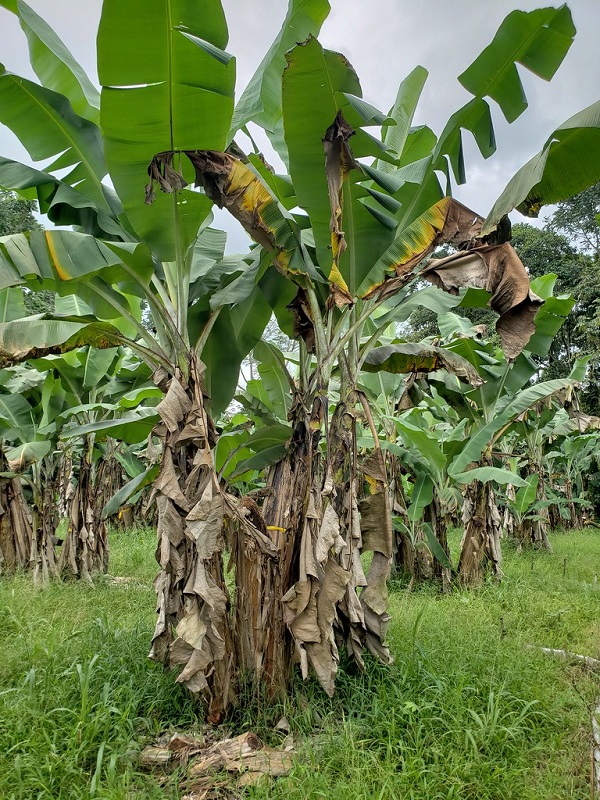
(467,711)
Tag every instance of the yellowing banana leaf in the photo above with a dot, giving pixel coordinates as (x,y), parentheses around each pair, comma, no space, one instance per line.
(233,185)
(338,163)
(21,456)
(446,221)
(316,86)
(67,261)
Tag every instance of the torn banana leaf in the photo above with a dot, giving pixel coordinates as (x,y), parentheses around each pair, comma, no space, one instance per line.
(23,339)
(568,163)
(499,270)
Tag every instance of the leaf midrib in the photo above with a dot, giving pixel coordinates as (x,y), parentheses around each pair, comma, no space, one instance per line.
(54,117)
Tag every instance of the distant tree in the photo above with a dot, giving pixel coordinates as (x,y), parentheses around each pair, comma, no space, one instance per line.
(543,251)
(17,216)
(577,219)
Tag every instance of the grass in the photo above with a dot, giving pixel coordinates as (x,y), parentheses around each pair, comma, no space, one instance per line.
(468,710)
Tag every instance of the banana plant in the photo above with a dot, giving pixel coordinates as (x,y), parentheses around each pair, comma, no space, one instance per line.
(524,519)
(54,415)
(492,411)
(370,209)
(370,212)
(569,458)
(18,545)
(27,408)
(103,391)
(168,85)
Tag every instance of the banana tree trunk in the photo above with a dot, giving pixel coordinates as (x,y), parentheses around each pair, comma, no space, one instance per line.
(309,593)
(509,521)
(480,546)
(26,543)
(575,520)
(16,534)
(554,517)
(439,522)
(300,589)
(534,532)
(193,629)
(408,558)
(266,564)
(84,552)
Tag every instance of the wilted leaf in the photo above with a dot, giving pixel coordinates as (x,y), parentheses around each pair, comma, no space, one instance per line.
(497,269)
(414,357)
(338,163)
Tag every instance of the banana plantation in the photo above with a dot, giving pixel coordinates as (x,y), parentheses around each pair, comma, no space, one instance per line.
(269,412)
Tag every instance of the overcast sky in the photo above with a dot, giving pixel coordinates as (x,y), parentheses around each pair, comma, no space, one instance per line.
(384,40)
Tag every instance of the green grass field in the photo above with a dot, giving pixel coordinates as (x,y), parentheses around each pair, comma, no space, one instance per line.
(470,709)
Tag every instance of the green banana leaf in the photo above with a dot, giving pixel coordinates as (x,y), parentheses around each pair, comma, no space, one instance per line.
(568,163)
(51,257)
(64,204)
(16,419)
(241,326)
(513,408)
(118,500)
(47,127)
(436,548)
(488,474)
(263,459)
(425,442)
(54,64)
(130,428)
(12,305)
(538,40)
(395,137)
(526,495)
(167,84)
(276,380)
(422,496)
(260,101)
